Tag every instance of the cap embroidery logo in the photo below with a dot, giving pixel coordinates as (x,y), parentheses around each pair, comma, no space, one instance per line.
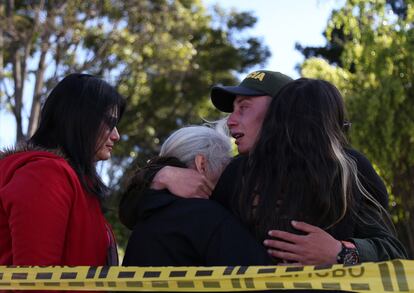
(257,75)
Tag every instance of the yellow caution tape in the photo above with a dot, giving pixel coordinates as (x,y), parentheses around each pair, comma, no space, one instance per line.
(391,276)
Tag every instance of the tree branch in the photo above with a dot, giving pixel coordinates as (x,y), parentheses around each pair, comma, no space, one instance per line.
(101,50)
(9,97)
(11,30)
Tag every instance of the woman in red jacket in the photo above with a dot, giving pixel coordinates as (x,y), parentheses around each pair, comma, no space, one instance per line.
(50,192)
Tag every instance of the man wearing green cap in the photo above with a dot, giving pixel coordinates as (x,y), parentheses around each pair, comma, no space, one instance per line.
(248,103)
(253,97)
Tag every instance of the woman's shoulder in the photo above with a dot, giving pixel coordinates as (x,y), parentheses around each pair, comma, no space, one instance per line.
(48,165)
(28,152)
(357,155)
(37,158)
(369,177)
(364,165)
(36,177)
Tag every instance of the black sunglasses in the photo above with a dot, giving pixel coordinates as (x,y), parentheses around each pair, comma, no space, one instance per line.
(111,121)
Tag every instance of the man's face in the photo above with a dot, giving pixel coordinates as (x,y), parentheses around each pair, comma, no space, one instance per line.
(246,120)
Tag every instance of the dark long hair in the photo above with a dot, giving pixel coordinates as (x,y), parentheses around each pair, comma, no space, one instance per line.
(298,169)
(72,120)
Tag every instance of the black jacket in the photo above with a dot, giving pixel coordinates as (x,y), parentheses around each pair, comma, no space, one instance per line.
(374,240)
(173,231)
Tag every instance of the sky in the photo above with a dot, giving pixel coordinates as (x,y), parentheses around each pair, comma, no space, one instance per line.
(281,24)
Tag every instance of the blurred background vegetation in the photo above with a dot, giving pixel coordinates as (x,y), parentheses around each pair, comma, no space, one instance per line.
(164,55)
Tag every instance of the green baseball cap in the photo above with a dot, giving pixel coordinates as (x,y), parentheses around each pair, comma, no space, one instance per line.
(258,83)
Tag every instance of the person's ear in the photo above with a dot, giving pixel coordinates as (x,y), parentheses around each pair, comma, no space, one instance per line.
(200,163)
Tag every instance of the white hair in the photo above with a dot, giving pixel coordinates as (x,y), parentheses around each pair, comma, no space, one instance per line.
(188,142)
(349,174)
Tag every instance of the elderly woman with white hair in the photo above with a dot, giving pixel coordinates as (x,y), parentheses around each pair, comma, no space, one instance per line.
(173,231)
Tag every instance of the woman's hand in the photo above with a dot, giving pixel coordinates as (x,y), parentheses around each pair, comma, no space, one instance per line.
(183,182)
(317,247)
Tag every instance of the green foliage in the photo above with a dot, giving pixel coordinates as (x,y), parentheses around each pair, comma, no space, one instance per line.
(334,46)
(376,79)
(162,55)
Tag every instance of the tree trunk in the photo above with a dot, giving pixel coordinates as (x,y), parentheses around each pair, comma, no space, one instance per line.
(35,111)
(18,95)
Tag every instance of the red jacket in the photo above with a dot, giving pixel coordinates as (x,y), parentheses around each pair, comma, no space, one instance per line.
(46,217)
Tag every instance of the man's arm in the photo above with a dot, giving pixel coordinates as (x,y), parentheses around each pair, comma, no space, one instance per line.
(373,240)
(182,182)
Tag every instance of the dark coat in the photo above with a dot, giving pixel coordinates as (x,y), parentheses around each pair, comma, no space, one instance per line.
(173,231)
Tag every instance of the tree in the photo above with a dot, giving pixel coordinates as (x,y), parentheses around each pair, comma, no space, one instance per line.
(162,55)
(376,78)
(39,45)
(126,41)
(334,46)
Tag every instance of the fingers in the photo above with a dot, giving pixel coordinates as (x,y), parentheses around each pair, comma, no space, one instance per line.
(280,245)
(284,255)
(183,182)
(206,187)
(210,185)
(202,193)
(316,247)
(285,236)
(294,238)
(158,182)
(203,189)
(305,227)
